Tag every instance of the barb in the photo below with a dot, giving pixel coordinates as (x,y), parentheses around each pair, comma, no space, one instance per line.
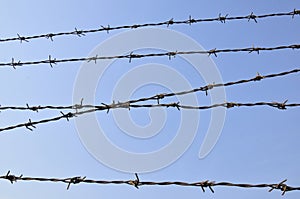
(132,56)
(137,183)
(128,105)
(168,23)
(156,97)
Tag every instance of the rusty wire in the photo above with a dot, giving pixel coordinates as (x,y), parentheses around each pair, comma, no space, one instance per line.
(137,183)
(279,105)
(168,23)
(156,97)
(131,56)
(30,125)
(130,104)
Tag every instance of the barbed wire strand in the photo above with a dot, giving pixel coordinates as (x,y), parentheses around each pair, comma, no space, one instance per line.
(131,56)
(156,97)
(137,183)
(30,125)
(168,23)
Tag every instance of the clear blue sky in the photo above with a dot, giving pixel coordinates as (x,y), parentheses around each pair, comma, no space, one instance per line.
(257,145)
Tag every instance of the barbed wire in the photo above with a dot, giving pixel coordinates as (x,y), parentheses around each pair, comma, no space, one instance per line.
(177,105)
(281,186)
(30,125)
(168,23)
(131,56)
(137,183)
(156,97)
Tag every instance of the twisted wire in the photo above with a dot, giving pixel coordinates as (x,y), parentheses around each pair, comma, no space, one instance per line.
(30,125)
(131,56)
(281,186)
(168,23)
(156,97)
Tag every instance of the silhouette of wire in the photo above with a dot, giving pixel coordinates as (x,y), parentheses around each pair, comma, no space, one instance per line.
(156,97)
(137,183)
(131,56)
(126,105)
(168,23)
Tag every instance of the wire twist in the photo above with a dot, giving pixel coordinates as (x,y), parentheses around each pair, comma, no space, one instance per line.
(138,183)
(168,23)
(132,56)
(157,97)
(128,105)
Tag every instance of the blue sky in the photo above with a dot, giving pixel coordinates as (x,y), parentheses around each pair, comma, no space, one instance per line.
(257,145)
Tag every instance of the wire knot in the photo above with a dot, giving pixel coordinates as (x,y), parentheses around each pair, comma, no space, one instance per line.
(223,19)
(205,184)
(51,61)
(295,12)
(78,106)
(258,77)
(79,33)
(281,186)
(208,87)
(75,180)
(172,54)
(170,22)
(132,56)
(212,51)
(175,104)
(281,106)
(22,38)
(295,46)
(254,49)
(29,125)
(14,64)
(50,36)
(230,104)
(93,59)
(191,20)
(159,97)
(68,115)
(252,16)
(12,178)
(106,28)
(135,182)
(33,108)
(107,107)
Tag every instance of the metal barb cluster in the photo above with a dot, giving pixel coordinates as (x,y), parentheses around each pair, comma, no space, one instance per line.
(11,178)
(137,183)
(29,125)
(281,186)
(252,16)
(75,180)
(51,61)
(22,38)
(14,64)
(168,23)
(68,115)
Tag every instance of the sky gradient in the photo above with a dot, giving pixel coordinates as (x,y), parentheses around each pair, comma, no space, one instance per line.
(257,145)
